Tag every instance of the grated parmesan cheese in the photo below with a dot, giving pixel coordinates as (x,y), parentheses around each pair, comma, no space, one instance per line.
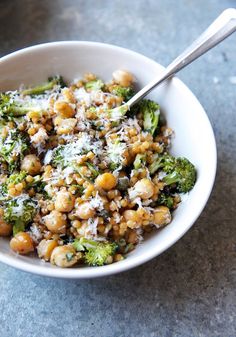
(115,151)
(97,202)
(35,233)
(82,96)
(19,209)
(48,157)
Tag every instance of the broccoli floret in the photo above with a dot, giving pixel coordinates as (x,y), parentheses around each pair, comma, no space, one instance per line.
(179,171)
(66,155)
(16,178)
(58,156)
(162,161)
(125,92)
(139,161)
(19,212)
(3,191)
(62,160)
(95,253)
(165,200)
(151,113)
(183,174)
(13,148)
(41,89)
(94,85)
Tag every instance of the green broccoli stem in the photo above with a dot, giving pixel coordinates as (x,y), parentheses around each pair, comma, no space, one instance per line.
(87,243)
(171,178)
(119,112)
(40,89)
(139,161)
(19,226)
(17,111)
(156,165)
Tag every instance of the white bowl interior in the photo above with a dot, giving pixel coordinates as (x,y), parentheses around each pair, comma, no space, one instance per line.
(193,139)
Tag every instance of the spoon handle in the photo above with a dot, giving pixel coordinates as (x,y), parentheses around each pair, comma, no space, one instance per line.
(221,28)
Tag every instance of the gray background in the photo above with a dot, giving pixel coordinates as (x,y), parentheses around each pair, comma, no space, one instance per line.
(190,289)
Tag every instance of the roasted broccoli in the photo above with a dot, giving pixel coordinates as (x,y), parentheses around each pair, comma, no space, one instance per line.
(12,179)
(95,253)
(58,156)
(179,171)
(165,200)
(11,106)
(67,155)
(139,161)
(16,178)
(61,158)
(162,161)
(126,92)
(183,174)
(12,148)
(94,85)
(151,113)
(41,89)
(19,212)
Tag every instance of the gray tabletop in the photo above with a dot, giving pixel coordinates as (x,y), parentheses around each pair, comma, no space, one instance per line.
(190,289)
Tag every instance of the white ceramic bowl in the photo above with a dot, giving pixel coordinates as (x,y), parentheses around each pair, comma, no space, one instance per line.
(194,137)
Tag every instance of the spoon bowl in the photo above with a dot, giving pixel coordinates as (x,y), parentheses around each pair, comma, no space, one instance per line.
(193,139)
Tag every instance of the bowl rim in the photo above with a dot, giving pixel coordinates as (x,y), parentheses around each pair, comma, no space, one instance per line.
(94,272)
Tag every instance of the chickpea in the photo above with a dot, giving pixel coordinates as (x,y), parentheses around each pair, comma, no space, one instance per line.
(123,77)
(64,109)
(144,189)
(40,136)
(31,164)
(85,211)
(65,201)
(118,257)
(161,216)
(57,121)
(68,95)
(56,222)
(64,256)
(5,228)
(132,237)
(131,215)
(66,126)
(22,243)
(45,249)
(106,181)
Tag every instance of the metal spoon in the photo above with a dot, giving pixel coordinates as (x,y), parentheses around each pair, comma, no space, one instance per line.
(221,28)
